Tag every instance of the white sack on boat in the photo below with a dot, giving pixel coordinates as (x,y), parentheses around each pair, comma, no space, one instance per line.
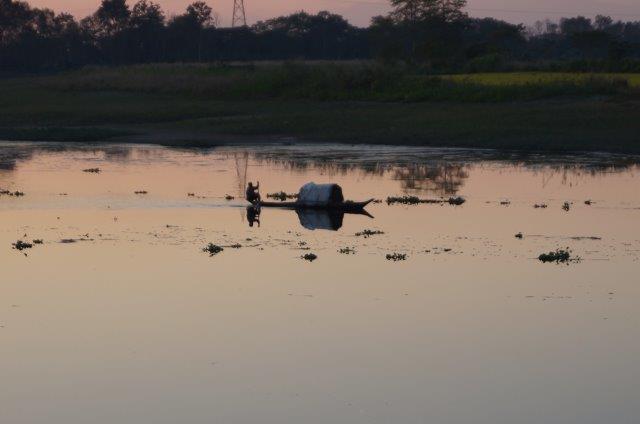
(312,194)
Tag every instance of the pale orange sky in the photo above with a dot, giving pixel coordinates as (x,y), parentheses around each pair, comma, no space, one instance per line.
(359,12)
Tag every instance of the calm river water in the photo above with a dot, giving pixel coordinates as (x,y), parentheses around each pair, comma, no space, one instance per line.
(120,317)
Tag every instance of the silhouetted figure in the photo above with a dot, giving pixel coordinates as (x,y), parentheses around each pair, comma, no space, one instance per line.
(253,215)
(252,194)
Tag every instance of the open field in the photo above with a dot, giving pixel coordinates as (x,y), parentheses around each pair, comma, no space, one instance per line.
(523,78)
(199,104)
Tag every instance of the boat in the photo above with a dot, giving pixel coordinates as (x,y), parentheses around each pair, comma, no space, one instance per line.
(346,206)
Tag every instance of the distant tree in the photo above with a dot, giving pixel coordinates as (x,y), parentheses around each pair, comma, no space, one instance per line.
(578,24)
(323,35)
(146,27)
(421,10)
(201,13)
(490,36)
(189,30)
(147,15)
(113,16)
(602,23)
(387,42)
(429,31)
(14,16)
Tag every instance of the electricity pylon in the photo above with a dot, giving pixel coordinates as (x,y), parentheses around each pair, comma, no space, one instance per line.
(239,17)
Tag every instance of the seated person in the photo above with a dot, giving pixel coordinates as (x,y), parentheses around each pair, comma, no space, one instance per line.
(252,195)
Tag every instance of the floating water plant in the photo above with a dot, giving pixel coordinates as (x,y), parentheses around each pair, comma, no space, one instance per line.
(282,196)
(21,245)
(395,257)
(415,200)
(92,170)
(405,200)
(557,256)
(212,249)
(11,193)
(456,201)
(309,257)
(368,233)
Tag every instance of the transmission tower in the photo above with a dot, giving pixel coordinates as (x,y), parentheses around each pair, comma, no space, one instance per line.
(239,17)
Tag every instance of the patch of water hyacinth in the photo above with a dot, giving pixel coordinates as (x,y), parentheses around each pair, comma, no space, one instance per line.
(415,200)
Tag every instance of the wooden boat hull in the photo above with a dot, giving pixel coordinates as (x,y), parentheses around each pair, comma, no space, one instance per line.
(340,207)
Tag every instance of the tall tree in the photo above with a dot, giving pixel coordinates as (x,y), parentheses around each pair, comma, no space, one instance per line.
(146,31)
(421,10)
(112,17)
(201,13)
(147,15)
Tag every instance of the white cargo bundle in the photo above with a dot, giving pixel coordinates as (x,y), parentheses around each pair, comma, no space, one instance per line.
(312,194)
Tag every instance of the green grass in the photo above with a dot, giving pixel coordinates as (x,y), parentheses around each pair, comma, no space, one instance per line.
(357,82)
(524,78)
(359,103)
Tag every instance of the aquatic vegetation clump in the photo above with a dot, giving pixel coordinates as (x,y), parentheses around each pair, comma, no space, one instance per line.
(566,206)
(395,257)
(11,193)
(347,251)
(92,170)
(405,200)
(415,200)
(309,257)
(212,249)
(558,256)
(368,233)
(235,246)
(38,241)
(21,245)
(282,196)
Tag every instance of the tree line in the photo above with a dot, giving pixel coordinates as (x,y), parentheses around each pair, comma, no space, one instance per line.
(437,34)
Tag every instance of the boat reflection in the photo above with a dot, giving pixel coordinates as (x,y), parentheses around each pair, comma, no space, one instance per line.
(310,219)
(315,219)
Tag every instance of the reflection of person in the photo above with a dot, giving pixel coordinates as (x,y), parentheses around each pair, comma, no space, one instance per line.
(253,215)
(252,194)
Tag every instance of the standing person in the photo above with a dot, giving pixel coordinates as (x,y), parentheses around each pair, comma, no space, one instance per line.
(252,194)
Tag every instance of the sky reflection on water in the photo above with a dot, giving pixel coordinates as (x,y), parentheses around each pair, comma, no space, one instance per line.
(133,323)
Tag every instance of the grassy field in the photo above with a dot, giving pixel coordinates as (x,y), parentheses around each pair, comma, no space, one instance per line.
(524,78)
(206,105)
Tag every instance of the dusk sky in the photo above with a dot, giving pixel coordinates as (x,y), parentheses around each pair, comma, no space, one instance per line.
(359,12)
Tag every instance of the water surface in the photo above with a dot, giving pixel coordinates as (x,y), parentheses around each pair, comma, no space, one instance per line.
(133,323)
